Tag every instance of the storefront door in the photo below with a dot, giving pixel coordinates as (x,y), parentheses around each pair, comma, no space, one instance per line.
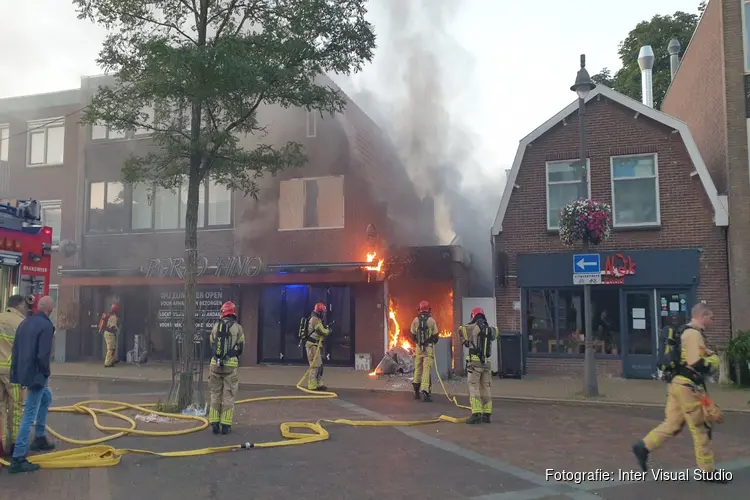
(282,308)
(639,355)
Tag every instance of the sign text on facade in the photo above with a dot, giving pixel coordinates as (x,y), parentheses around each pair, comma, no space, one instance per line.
(174,267)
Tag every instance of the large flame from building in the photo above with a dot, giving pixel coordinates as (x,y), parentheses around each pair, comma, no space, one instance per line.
(371,258)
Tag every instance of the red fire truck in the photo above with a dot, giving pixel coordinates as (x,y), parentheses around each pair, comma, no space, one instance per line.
(25,249)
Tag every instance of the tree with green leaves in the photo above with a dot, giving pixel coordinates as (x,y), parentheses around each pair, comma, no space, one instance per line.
(195,72)
(657,33)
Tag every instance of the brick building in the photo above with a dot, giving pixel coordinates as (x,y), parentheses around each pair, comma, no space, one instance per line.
(39,158)
(667,249)
(711,93)
(314,234)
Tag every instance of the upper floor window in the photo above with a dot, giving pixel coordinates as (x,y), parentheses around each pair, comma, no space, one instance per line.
(107,211)
(46,142)
(746,33)
(566,181)
(315,203)
(4,141)
(52,217)
(162,209)
(312,124)
(635,190)
(104,132)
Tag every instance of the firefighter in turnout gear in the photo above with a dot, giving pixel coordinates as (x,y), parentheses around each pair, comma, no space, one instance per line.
(227,344)
(424,333)
(686,395)
(109,326)
(317,331)
(478,336)
(12,396)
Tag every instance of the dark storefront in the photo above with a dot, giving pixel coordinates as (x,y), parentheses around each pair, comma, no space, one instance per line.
(282,307)
(642,291)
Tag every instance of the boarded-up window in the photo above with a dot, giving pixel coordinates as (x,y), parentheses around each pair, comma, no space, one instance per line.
(311,203)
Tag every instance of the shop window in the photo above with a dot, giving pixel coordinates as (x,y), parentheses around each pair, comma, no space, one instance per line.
(107,211)
(141,207)
(566,181)
(540,320)
(635,191)
(52,217)
(555,320)
(311,203)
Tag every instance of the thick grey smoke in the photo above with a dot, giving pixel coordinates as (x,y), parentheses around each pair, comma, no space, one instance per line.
(422,70)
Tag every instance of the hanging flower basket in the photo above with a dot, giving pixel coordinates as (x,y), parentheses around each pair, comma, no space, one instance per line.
(585,221)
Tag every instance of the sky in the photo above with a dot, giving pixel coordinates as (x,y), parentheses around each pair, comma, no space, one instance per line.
(522,56)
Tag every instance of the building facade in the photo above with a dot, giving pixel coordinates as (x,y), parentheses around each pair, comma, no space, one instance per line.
(666,250)
(319,233)
(39,157)
(710,91)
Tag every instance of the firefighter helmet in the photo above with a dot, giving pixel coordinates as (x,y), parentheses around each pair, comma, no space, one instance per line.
(424,306)
(476,312)
(115,307)
(228,309)
(320,308)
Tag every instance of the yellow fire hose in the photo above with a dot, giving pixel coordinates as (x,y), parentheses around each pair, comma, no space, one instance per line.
(93,453)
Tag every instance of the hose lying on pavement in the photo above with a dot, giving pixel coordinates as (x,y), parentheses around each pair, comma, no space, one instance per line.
(93,453)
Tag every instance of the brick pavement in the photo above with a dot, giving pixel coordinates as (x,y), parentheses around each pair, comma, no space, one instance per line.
(612,390)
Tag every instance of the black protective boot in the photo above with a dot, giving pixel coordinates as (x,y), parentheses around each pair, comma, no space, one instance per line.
(41,444)
(226,429)
(416,391)
(426,397)
(215,428)
(486,418)
(641,454)
(321,388)
(19,465)
(475,418)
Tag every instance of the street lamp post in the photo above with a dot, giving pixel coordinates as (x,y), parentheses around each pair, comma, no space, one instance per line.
(582,87)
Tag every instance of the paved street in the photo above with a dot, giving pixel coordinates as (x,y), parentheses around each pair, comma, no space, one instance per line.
(503,461)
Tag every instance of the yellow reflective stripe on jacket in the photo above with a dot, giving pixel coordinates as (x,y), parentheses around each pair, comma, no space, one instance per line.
(232,362)
(5,362)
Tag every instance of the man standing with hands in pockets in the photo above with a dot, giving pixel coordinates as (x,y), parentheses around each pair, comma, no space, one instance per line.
(30,368)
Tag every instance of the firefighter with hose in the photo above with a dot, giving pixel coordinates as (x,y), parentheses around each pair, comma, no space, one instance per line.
(424,333)
(109,327)
(227,344)
(12,396)
(313,332)
(685,364)
(478,336)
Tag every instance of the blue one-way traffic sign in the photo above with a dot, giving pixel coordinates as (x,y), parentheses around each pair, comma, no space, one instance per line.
(587,263)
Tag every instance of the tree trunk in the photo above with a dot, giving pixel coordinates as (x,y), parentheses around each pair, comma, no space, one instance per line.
(185,389)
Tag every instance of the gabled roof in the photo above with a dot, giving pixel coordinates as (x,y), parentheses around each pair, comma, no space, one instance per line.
(719,203)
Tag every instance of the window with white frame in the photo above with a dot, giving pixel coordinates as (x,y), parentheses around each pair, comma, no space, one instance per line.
(566,181)
(4,141)
(311,203)
(635,190)
(46,142)
(312,124)
(101,132)
(52,217)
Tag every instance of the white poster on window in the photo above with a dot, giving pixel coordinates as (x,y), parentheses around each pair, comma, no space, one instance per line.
(639,313)
(674,306)
(639,324)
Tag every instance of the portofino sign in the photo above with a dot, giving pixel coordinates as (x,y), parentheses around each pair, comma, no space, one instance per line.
(229,267)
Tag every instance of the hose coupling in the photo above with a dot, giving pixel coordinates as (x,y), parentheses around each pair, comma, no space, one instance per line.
(247,446)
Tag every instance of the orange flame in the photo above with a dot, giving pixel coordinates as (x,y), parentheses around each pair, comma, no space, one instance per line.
(371,258)
(445,334)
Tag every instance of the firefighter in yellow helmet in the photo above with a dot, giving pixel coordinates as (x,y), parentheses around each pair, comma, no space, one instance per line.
(478,336)
(227,344)
(685,395)
(424,333)
(12,396)
(109,326)
(316,332)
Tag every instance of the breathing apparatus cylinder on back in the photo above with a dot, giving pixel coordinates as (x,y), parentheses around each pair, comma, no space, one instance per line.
(223,340)
(423,330)
(483,348)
